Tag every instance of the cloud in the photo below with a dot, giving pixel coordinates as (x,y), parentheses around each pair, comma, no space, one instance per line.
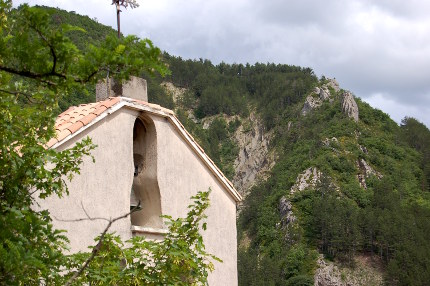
(371,47)
(398,112)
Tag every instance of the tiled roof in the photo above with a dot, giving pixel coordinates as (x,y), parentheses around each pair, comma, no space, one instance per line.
(76,118)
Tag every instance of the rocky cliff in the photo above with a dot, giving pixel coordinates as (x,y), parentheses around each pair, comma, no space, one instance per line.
(343,148)
(254,159)
(349,106)
(326,92)
(366,272)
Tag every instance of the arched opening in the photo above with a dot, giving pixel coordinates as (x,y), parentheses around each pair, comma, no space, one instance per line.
(145,185)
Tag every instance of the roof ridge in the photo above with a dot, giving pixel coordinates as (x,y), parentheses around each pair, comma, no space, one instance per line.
(77,118)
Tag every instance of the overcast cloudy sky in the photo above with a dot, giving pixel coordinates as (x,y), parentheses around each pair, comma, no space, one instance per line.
(380,49)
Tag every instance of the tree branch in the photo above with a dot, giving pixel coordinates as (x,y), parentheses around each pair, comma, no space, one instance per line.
(88,78)
(88,217)
(41,76)
(100,243)
(51,48)
(30,74)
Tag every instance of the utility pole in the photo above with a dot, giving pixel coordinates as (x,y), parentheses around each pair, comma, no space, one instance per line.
(118,13)
(109,82)
(124,3)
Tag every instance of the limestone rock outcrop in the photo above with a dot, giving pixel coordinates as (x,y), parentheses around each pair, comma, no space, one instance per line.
(309,178)
(327,274)
(288,219)
(254,160)
(324,93)
(327,142)
(310,103)
(174,91)
(365,171)
(349,106)
(286,212)
(319,95)
(332,82)
(332,143)
(365,273)
(364,149)
(207,121)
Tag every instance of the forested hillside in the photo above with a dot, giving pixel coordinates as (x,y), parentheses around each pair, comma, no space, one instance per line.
(347,182)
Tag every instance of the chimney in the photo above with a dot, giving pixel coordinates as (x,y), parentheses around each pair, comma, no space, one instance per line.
(135,88)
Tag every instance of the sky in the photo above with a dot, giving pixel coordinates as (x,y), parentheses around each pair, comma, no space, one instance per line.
(378,49)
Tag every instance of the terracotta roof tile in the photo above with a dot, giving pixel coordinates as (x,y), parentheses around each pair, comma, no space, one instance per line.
(75,127)
(63,134)
(111,101)
(63,125)
(64,117)
(99,110)
(74,118)
(88,118)
(67,111)
(79,111)
(51,142)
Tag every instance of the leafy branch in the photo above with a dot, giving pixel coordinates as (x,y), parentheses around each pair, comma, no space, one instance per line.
(178,259)
(96,248)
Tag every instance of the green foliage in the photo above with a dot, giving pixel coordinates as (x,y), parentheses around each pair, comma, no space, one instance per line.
(398,233)
(216,99)
(388,219)
(417,136)
(39,48)
(157,94)
(299,262)
(38,64)
(216,141)
(229,89)
(335,223)
(343,219)
(259,270)
(31,250)
(94,32)
(179,259)
(300,280)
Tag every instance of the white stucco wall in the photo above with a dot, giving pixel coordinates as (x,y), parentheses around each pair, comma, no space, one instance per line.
(103,188)
(181,174)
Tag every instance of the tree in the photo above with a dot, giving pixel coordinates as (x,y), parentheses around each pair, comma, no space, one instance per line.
(179,259)
(417,136)
(38,65)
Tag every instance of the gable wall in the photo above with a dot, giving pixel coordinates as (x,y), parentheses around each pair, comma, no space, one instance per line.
(104,189)
(181,174)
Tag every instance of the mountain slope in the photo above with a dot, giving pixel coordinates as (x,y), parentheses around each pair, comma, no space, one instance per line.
(335,176)
(343,188)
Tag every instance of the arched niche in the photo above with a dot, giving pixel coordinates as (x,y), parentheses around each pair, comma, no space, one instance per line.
(145,185)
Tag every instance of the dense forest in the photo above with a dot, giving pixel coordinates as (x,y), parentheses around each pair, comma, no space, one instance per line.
(387,219)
